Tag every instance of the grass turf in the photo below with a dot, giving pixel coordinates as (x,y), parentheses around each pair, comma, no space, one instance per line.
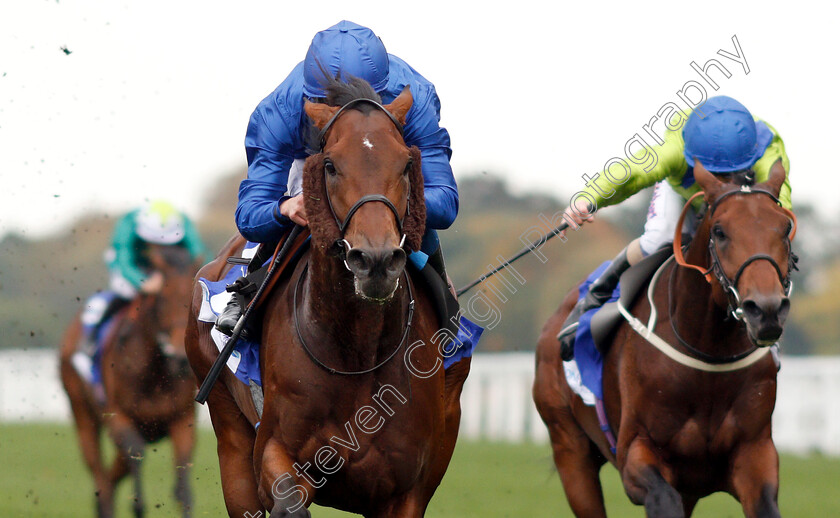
(42,474)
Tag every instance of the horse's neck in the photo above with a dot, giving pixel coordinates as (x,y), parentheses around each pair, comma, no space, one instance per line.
(363,329)
(138,328)
(700,321)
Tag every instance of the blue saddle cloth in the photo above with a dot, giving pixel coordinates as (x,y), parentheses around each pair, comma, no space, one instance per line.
(101,300)
(245,359)
(588,358)
(464,343)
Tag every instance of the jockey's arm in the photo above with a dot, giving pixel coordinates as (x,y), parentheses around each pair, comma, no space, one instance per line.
(423,130)
(269,155)
(622,181)
(126,254)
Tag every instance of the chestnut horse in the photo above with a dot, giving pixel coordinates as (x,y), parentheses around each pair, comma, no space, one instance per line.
(147,383)
(690,428)
(358,413)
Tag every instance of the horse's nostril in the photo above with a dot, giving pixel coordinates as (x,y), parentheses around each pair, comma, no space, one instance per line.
(784,309)
(752,310)
(359,261)
(367,263)
(397,261)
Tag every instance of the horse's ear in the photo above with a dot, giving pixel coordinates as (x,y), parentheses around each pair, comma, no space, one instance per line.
(777,178)
(320,113)
(706,180)
(399,108)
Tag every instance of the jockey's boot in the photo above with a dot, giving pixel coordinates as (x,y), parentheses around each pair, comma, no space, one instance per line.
(599,292)
(243,289)
(227,319)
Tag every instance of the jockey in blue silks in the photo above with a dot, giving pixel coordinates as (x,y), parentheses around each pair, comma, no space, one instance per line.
(279,140)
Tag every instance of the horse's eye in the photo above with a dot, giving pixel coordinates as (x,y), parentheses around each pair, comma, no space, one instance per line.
(408,166)
(718,232)
(329,168)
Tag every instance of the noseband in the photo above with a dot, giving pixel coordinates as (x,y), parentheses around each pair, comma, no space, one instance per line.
(730,286)
(343,224)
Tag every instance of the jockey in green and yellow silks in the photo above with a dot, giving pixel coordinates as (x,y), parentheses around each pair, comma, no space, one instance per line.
(725,138)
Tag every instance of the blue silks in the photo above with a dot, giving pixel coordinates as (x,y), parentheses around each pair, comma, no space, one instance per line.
(278,133)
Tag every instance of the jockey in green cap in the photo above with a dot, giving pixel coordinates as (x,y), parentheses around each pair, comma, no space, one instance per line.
(725,138)
(157,222)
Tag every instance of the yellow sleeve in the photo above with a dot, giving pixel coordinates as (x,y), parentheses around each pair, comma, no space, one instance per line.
(624,178)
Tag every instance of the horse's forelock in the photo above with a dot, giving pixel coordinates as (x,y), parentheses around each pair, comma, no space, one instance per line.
(322,225)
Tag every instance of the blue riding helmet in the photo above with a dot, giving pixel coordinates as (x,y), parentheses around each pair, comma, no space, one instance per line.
(349,48)
(725,138)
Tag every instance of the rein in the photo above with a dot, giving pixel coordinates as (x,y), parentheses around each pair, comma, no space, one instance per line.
(409,319)
(730,286)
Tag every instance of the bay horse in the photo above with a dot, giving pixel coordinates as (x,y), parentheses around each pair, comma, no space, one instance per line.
(353,416)
(685,429)
(148,386)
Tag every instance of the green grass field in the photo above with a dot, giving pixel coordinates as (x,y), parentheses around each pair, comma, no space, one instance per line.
(41,474)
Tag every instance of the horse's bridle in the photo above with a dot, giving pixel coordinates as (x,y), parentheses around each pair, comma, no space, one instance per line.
(730,286)
(342,225)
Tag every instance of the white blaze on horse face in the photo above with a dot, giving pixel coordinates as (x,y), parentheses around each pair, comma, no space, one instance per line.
(366,142)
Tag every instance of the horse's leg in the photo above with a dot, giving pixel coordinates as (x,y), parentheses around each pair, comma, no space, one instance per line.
(411,505)
(643,479)
(132,444)
(234,446)
(182,433)
(754,478)
(454,379)
(88,427)
(578,466)
(283,486)
(576,462)
(119,469)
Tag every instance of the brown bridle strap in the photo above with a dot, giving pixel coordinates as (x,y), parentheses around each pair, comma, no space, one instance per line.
(678,253)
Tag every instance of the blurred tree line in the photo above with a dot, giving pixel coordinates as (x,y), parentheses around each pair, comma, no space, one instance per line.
(44,282)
